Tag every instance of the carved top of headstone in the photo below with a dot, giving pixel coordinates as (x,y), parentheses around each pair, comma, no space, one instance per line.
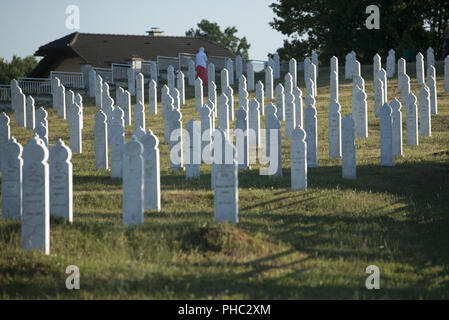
(4,119)
(288,80)
(269,70)
(180,75)
(139,133)
(41,114)
(108,102)
(385,110)
(30,100)
(176,116)
(118,114)
(205,112)
(254,105)
(395,105)
(241,114)
(382,73)
(298,135)
(133,147)
(139,108)
(60,152)
(424,91)
(35,151)
(153,84)
(419,56)
(100,116)
(391,52)
(198,82)
(150,140)
(279,88)
(348,123)
(309,101)
(259,85)
(165,90)
(411,99)
(14,149)
(334,107)
(297,92)
(270,109)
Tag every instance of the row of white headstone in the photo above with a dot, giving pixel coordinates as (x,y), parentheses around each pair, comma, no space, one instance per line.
(33,189)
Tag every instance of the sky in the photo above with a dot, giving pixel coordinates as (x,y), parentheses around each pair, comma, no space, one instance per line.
(27,24)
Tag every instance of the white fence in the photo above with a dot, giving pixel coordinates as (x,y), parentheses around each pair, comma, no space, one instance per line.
(5,92)
(119,72)
(72,80)
(35,86)
(105,73)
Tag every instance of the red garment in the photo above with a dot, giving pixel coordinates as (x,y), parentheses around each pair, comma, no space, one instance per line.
(201,73)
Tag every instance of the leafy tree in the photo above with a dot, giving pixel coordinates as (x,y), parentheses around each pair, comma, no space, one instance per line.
(17,67)
(226,38)
(335,27)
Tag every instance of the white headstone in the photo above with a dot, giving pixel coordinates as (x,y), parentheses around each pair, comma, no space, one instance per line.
(210,73)
(273,144)
(139,116)
(225,171)
(260,96)
(154,72)
(250,76)
(116,143)
(334,86)
(176,141)
(425,126)
(20,114)
(411,115)
(133,183)
(229,92)
(254,128)
(391,63)
(193,151)
(101,140)
(62,110)
(420,68)
(223,113)
(432,84)
(310,126)
(55,83)
(298,160)
(76,141)
(293,70)
(11,178)
(280,102)
(269,83)
(334,125)
(360,112)
(108,108)
(5,132)
(212,92)
(98,91)
(41,116)
(277,66)
(152,97)
(377,64)
(238,66)
(396,114)
(230,68)
(378,96)
(132,81)
(42,131)
(383,77)
(290,117)
(92,79)
(171,78)
(198,94)
(36,197)
(152,176)
(298,107)
(30,115)
(140,96)
(348,159)
(386,136)
(430,59)
(224,79)
(191,73)
(206,131)
(242,138)
(180,82)
(126,107)
(61,181)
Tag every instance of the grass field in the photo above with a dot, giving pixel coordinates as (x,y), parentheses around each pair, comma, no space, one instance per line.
(313,244)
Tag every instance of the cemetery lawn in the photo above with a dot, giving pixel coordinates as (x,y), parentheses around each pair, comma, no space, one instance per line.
(313,244)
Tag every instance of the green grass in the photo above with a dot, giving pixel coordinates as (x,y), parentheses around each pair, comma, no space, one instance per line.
(313,244)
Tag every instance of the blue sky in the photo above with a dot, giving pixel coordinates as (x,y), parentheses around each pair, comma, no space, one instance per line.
(27,24)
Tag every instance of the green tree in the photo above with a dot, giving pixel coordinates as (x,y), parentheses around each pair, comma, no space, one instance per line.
(17,67)
(226,38)
(335,27)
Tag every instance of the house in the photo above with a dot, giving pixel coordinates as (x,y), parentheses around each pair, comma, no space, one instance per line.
(101,50)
